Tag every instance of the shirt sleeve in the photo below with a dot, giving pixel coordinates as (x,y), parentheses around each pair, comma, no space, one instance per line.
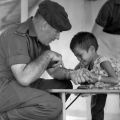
(103,59)
(16,49)
(103,14)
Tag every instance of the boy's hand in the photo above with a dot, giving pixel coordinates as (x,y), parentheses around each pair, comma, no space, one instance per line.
(93,77)
(90,75)
(79,76)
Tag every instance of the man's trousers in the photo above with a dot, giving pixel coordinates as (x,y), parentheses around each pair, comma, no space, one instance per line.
(32,103)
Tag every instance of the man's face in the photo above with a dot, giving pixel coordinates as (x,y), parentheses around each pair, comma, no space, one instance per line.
(49,34)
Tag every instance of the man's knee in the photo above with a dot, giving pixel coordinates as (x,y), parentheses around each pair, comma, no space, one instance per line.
(54,107)
(48,104)
(47,110)
(51,107)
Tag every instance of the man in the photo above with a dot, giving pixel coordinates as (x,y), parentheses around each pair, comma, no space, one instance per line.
(107,31)
(24,56)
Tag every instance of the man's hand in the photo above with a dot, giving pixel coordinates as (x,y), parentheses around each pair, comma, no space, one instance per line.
(56,59)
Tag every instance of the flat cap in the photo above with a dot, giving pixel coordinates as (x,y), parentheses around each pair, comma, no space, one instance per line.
(55,15)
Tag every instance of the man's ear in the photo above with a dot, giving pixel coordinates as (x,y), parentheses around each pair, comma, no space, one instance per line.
(44,25)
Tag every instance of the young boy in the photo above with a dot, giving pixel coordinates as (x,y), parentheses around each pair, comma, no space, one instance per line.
(103,70)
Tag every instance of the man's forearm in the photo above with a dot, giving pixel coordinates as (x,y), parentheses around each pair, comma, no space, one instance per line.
(34,69)
(60,73)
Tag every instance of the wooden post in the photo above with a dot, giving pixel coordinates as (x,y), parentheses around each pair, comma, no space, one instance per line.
(24,10)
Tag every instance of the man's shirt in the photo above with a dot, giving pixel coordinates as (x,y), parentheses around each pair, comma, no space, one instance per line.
(18,45)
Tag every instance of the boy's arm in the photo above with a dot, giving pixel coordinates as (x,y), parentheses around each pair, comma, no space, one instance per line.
(111,78)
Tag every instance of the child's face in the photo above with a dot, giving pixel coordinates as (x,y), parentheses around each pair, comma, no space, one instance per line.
(83,55)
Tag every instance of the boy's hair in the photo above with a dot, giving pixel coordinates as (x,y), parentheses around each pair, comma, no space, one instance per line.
(85,40)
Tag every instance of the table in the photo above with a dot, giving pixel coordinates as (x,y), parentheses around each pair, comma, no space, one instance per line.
(63,92)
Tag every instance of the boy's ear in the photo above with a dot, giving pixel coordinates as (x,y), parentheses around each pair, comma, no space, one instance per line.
(92,48)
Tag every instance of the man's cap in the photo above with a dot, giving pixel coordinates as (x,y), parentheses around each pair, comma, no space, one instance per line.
(55,15)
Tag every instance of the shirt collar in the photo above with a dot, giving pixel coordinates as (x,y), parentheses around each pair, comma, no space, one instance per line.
(27,26)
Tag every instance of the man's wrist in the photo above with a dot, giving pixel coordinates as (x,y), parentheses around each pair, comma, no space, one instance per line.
(48,54)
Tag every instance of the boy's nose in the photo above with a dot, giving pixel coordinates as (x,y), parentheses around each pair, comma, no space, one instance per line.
(58,36)
(79,59)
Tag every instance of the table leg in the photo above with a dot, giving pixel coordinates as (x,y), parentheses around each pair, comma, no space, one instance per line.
(63,97)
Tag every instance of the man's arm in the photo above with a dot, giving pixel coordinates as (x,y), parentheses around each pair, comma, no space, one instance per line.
(110,41)
(28,73)
(60,73)
(99,33)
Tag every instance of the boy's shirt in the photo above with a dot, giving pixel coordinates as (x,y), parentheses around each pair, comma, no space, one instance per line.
(99,71)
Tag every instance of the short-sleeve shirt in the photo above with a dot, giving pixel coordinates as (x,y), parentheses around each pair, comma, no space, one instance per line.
(109,17)
(115,63)
(18,45)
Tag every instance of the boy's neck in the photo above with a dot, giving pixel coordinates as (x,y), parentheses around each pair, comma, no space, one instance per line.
(93,60)
(95,57)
